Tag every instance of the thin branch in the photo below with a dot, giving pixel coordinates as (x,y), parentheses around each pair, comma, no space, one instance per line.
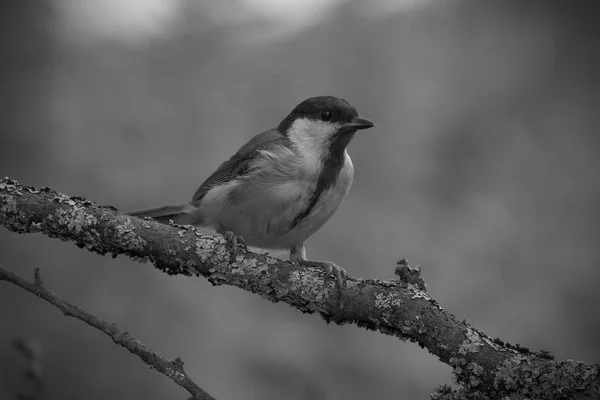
(485,367)
(171,369)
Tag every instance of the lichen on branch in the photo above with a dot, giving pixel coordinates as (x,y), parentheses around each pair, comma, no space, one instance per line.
(485,367)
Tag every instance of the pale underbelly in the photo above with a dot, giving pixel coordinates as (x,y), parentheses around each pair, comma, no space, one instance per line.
(265,218)
(271,232)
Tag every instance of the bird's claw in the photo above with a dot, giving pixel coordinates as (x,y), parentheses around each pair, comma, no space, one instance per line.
(331,270)
(234,241)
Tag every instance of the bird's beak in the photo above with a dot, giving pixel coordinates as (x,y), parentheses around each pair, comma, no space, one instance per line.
(357,123)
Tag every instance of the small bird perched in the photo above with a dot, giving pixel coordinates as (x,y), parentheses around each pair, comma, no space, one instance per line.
(281,186)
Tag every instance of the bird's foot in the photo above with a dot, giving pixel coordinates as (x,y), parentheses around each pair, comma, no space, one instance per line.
(234,241)
(331,270)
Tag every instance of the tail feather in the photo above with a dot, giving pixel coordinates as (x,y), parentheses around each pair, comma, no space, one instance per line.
(183,214)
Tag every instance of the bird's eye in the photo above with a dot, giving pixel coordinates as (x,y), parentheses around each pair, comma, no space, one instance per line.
(326,115)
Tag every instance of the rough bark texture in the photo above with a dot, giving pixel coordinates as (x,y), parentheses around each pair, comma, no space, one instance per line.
(485,368)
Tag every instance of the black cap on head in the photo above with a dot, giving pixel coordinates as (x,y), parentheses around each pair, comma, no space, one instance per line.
(322,108)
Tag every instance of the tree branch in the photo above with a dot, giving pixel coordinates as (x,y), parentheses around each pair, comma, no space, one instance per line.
(485,367)
(171,369)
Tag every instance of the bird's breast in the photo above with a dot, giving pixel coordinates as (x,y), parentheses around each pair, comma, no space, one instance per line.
(280,203)
(324,204)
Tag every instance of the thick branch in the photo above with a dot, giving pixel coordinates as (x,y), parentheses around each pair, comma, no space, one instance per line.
(171,369)
(485,368)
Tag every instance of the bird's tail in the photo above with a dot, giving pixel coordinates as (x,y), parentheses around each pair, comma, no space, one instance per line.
(183,214)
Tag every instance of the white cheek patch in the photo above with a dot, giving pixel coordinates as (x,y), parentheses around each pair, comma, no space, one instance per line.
(312,138)
(318,131)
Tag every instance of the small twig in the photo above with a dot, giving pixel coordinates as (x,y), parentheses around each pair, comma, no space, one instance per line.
(31,349)
(172,369)
(409,274)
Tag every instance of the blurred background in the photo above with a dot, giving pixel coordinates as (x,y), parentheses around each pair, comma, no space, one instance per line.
(483,169)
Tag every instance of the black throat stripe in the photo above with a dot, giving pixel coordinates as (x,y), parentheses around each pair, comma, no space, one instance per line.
(332,165)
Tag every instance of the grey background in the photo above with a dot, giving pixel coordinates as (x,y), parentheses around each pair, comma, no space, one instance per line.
(483,169)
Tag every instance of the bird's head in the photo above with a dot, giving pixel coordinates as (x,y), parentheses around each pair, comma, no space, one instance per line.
(323,124)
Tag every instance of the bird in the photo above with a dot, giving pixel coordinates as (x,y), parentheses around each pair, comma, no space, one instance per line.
(281,186)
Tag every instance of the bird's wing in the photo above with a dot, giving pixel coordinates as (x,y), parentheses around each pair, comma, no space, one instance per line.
(239,163)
